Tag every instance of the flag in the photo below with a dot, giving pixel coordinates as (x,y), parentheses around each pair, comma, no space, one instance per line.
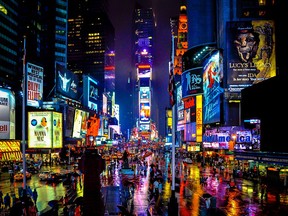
(171,86)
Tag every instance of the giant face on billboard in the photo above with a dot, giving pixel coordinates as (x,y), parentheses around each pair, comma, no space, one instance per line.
(34,85)
(66,82)
(250,53)
(45,130)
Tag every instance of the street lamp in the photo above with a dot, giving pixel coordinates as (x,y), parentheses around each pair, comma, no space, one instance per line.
(24,116)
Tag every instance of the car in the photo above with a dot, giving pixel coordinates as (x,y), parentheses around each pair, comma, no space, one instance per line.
(32,169)
(43,175)
(19,176)
(53,177)
(188,161)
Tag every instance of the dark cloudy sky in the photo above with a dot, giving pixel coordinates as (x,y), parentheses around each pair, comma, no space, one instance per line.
(120,13)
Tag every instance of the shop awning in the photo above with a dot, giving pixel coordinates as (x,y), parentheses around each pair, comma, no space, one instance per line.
(11,156)
(10,150)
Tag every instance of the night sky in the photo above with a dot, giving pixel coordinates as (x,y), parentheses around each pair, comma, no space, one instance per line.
(120,13)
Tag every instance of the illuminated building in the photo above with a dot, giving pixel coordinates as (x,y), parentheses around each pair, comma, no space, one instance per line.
(143,37)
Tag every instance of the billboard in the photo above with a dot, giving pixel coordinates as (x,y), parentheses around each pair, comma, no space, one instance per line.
(250,53)
(190,132)
(91,93)
(192,82)
(80,123)
(45,129)
(69,121)
(144,94)
(34,85)
(144,112)
(7,114)
(144,71)
(66,82)
(212,90)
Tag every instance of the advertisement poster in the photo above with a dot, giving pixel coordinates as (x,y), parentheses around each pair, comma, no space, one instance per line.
(250,53)
(80,123)
(192,82)
(144,94)
(34,85)
(144,112)
(40,129)
(69,121)
(66,82)
(212,90)
(144,71)
(7,114)
(57,130)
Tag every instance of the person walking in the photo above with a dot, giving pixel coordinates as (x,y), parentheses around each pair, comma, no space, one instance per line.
(11,180)
(35,196)
(1,199)
(7,201)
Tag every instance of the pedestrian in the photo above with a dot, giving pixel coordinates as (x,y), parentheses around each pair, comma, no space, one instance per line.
(1,199)
(35,196)
(32,210)
(7,201)
(11,180)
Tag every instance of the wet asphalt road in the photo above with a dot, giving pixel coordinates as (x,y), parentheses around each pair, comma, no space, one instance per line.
(243,200)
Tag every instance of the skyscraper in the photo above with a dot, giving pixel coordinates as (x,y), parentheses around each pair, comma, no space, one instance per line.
(91,43)
(143,37)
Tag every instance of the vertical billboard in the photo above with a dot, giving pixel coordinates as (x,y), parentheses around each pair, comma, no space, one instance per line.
(91,93)
(34,85)
(66,82)
(80,123)
(212,90)
(144,111)
(45,129)
(7,114)
(199,118)
(144,94)
(57,125)
(250,53)
(69,121)
(169,121)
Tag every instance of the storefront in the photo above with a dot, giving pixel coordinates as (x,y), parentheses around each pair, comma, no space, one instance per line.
(10,150)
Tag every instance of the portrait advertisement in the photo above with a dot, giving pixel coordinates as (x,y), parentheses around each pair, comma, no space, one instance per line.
(250,53)
(40,129)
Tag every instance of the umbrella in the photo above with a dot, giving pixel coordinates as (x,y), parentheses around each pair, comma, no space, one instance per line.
(79,200)
(206,195)
(53,203)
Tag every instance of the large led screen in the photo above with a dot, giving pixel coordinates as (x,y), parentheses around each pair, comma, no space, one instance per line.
(144,112)
(192,82)
(250,53)
(34,85)
(144,71)
(144,94)
(91,93)
(80,123)
(7,114)
(212,90)
(45,129)
(66,82)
